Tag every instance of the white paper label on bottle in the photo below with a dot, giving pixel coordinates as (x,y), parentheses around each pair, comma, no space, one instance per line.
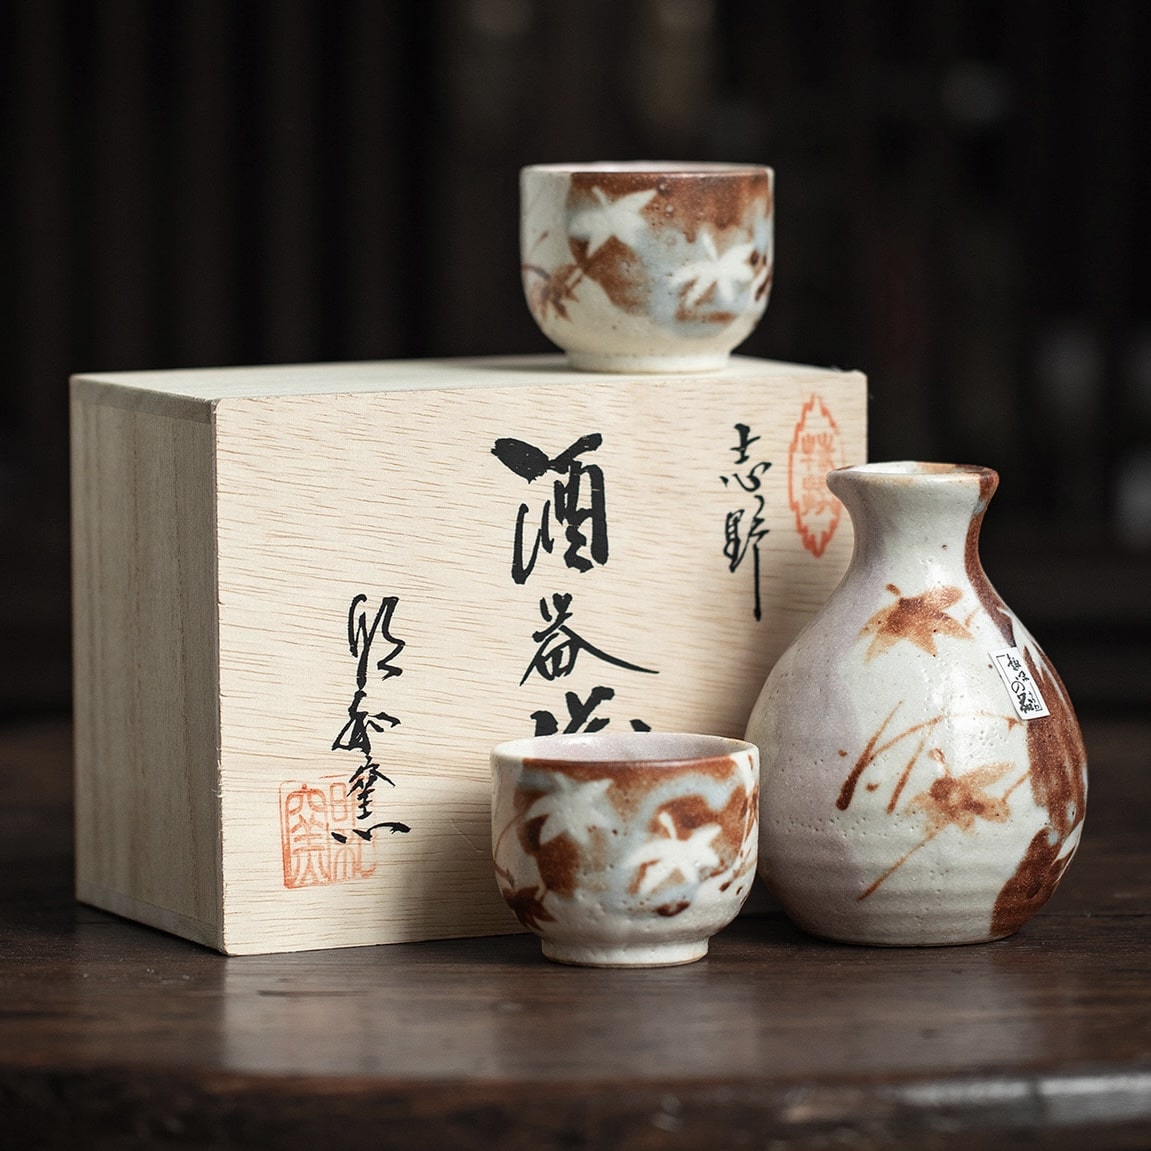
(1024,691)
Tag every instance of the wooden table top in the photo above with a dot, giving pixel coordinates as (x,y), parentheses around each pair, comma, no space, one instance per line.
(113,1035)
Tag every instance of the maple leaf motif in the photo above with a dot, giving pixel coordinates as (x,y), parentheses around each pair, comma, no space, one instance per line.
(574,808)
(962,799)
(727,273)
(527,905)
(553,290)
(622,218)
(662,857)
(954,800)
(918,619)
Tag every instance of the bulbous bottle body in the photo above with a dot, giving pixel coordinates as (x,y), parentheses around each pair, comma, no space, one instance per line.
(923,775)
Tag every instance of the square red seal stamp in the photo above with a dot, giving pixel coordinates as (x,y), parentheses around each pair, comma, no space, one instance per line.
(317,824)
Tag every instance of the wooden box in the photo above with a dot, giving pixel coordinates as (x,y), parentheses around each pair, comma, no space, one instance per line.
(309,599)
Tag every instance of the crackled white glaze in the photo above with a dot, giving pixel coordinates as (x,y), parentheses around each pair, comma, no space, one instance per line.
(647,267)
(628,849)
(904,799)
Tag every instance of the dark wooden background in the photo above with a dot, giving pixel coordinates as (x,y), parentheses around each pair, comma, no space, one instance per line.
(962,213)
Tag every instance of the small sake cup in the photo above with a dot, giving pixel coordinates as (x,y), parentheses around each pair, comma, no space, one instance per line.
(647,266)
(626,849)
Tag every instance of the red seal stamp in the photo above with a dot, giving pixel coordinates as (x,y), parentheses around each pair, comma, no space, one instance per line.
(816,449)
(319,847)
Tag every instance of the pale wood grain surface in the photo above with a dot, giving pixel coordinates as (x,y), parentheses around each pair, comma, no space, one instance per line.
(145,658)
(217,563)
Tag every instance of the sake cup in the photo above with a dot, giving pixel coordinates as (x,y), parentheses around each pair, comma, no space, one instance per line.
(626,849)
(647,266)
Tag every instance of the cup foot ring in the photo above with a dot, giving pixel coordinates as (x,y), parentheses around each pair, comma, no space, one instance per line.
(648,365)
(625,955)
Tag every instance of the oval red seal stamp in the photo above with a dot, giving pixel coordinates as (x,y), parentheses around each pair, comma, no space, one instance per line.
(816,449)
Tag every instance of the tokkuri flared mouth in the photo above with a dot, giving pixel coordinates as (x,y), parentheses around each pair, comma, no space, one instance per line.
(914,469)
(917,475)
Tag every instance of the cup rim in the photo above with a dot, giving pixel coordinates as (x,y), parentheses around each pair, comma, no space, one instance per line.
(619,749)
(665,168)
